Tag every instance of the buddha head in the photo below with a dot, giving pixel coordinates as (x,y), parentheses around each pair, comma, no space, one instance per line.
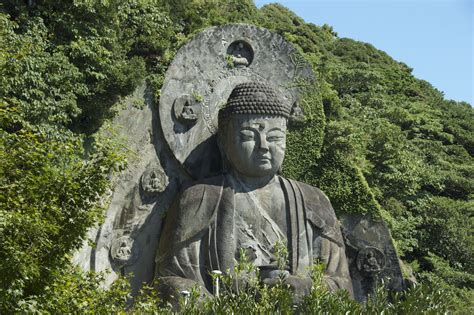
(252,130)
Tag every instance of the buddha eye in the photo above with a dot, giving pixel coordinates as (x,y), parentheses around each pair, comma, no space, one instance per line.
(274,138)
(247,135)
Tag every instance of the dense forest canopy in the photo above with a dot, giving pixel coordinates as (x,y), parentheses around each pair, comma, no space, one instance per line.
(382,142)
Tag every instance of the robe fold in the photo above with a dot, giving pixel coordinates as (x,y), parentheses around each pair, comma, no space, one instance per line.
(199,234)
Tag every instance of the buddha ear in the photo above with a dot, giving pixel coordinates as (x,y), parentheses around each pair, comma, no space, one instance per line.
(221,135)
(220,144)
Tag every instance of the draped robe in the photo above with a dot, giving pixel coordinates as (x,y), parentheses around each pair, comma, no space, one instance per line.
(199,235)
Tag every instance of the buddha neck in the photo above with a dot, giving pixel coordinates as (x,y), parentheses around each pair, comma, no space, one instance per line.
(250,183)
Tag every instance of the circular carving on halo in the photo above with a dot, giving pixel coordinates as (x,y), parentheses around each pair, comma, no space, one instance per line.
(122,251)
(154,181)
(185,110)
(240,53)
(370,260)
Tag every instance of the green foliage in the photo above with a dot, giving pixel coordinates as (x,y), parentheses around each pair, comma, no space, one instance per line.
(346,186)
(93,51)
(447,231)
(194,15)
(25,59)
(50,187)
(253,297)
(48,200)
(76,292)
(304,142)
(443,276)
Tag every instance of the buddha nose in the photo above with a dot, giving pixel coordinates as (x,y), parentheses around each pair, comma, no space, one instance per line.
(263,143)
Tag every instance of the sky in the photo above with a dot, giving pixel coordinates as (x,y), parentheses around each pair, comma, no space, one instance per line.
(434,37)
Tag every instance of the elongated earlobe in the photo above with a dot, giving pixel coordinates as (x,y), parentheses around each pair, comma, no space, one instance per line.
(220,144)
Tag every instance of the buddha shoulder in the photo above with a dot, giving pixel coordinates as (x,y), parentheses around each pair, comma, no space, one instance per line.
(197,194)
(319,211)
(314,196)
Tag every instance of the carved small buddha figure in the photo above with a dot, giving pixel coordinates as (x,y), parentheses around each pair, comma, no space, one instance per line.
(238,56)
(251,208)
(188,113)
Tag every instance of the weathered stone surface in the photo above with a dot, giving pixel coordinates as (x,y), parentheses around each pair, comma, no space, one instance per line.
(126,242)
(249,208)
(200,75)
(204,72)
(372,255)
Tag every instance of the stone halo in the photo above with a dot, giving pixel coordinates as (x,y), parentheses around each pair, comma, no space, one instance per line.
(204,69)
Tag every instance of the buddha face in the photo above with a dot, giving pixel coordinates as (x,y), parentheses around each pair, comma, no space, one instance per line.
(255,145)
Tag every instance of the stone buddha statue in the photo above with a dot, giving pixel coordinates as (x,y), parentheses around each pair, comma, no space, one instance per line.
(250,208)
